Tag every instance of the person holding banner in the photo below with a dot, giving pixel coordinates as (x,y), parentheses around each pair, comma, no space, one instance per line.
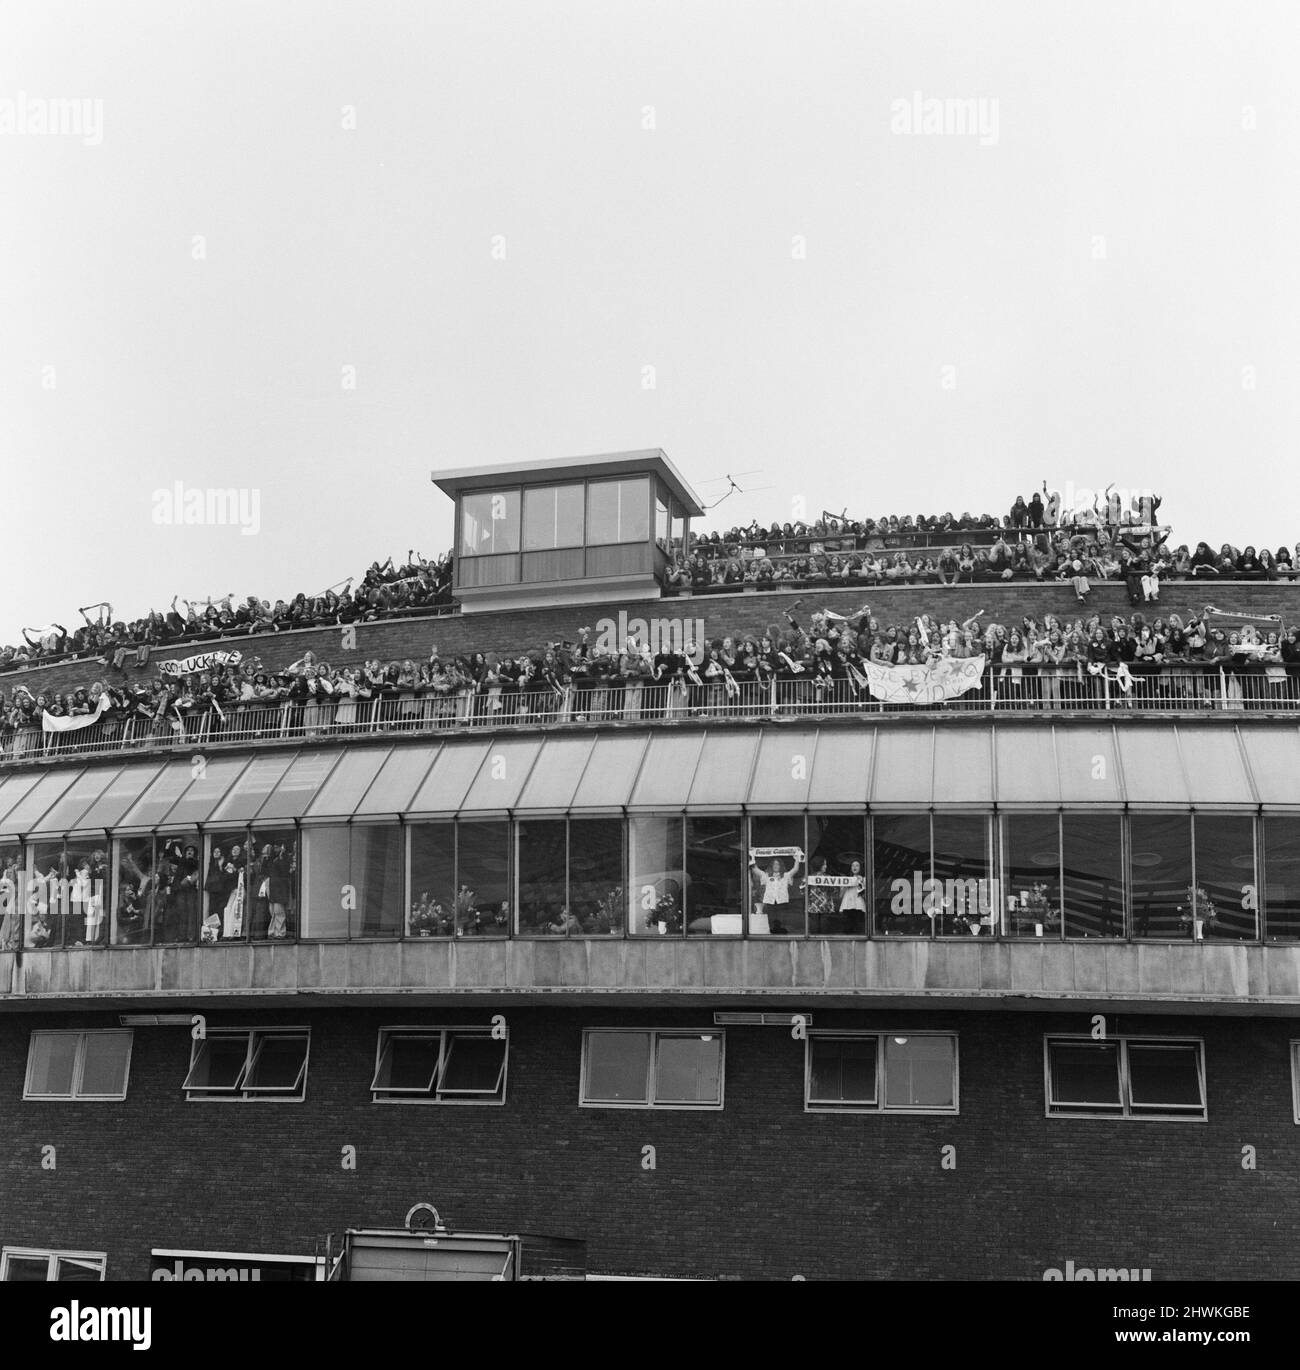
(772,885)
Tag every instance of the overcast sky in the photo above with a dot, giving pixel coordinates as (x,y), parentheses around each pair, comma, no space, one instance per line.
(502,214)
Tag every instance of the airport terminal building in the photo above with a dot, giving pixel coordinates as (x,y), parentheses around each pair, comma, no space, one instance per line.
(893,979)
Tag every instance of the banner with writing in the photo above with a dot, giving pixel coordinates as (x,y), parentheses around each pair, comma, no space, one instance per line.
(943,679)
(203,661)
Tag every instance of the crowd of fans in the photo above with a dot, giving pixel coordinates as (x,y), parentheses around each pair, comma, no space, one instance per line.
(1052,662)
(381,592)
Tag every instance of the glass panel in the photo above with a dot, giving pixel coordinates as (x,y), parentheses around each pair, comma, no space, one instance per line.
(48,894)
(207,790)
(219,1063)
(667,771)
(12,789)
(69,1270)
(396,783)
(963,767)
(298,786)
(1081,780)
(1026,765)
(661,525)
(88,892)
(968,905)
(607,781)
(778,898)
(349,781)
(1160,862)
(842,1071)
(63,814)
(1084,1076)
(104,1062)
(783,771)
(724,766)
(618,1067)
(836,884)
(596,874)
(1153,768)
(1225,873)
(553,517)
(656,877)
(716,878)
(122,792)
(900,850)
(474,1065)
(618,511)
(152,807)
(249,792)
(137,891)
(543,871)
(39,798)
(13,889)
(904,771)
(378,877)
(1282,876)
(53,1059)
(177,895)
(502,775)
(27,1270)
(1031,876)
(483,879)
(326,869)
(688,1070)
(919,1072)
(1274,756)
(408,1064)
(555,776)
(433,880)
(489,523)
(277,1065)
(1093,874)
(1163,1077)
(272,883)
(1215,773)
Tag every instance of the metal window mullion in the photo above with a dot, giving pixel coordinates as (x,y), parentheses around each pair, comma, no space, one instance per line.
(251,1055)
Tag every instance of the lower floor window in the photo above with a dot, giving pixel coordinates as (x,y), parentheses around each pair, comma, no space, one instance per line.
(1125,1077)
(268,1064)
(881,1072)
(440,1065)
(652,1069)
(25,1266)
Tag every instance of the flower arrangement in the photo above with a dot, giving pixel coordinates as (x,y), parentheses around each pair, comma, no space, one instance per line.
(467,919)
(1199,911)
(664,913)
(609,911)
(427,918)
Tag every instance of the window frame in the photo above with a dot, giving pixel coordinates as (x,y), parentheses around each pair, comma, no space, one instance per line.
(53,1257)
(433,1094)
(881,1104)
(1295,1079)
(241,1092)
(1127,1110)
(78,1065)
(655,1035)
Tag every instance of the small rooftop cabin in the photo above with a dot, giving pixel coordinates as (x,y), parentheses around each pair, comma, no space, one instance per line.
(575,531)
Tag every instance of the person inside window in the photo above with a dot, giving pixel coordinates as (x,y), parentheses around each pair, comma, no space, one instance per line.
(773,890)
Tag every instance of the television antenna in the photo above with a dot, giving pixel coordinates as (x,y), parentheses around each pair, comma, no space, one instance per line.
(734,487)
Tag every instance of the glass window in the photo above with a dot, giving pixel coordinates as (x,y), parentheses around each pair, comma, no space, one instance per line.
(1295,1079)
(1160,866)
(553,517)
(173,900)
(136,891)
(661,524)
(433,880)
(440,1065)
(1281,843)
(836,884)
(596,874)
(900,849)
(1125,1077)
(881,1072)
(618,511)
(1225,897)
(378,878)
(20,1265)
(13,886)
(1031,875)
(482,879)
(489,523)
(326,869)
(543,873)
(778,897)
(652,1069)
(272,883)
(236,1064)
(78,1065)
(964,892)
(1092,874)
(715,868)
(656,875)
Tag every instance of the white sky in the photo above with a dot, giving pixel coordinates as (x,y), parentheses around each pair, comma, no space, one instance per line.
(625,248)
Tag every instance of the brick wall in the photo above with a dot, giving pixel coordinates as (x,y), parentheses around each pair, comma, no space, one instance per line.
(750,613)
(759,1190)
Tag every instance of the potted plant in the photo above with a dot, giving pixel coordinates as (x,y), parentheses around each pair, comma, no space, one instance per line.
(466,913)
(1035,908)
(1198,913)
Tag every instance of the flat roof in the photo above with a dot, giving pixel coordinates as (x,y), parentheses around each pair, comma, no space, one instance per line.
(650,461)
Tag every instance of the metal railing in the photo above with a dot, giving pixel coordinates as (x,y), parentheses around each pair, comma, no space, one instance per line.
(1002,689)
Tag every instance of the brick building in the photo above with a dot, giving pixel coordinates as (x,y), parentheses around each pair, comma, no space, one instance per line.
(830,989)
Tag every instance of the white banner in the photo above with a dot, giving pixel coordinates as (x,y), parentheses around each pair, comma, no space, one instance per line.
(838,882)
(70,724)
(763,853)
(201,662)
(944,679)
